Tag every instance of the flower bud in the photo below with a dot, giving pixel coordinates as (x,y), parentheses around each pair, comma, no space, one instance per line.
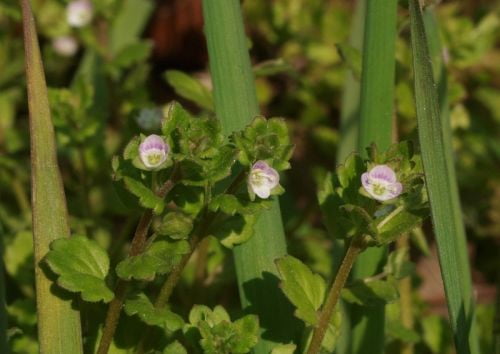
(153,151)
(381,183)
(79,13)
(263,179)
(65,46)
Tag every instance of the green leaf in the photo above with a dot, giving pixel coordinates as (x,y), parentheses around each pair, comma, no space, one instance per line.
(190,89)
(176,117)
(219,335)
(234,230)
(175,348)
(141,306)
(176,225)
(437,157)
(399,223)
(264,139)
(232,204)
(398,331)
(303,288)
(147,198)
(352,57)
(82,266)
(371,292)
(132,53)
(159,258)
(284,349)
(272,67)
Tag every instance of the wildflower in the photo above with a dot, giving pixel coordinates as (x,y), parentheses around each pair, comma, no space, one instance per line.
(153,151)
(381,183)
(79,13)
(65,45)
(263,179)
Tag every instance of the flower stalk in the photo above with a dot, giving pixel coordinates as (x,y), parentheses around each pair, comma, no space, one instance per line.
(356,246)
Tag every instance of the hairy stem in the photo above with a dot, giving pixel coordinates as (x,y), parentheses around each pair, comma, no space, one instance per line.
(325,316)
(137,247)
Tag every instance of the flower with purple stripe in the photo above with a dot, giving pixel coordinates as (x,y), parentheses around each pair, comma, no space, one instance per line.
(153,151)
(262,179)
(381,183)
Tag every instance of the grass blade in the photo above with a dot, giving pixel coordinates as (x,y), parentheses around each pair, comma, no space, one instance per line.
(235,105)
(58,323)
(434,135)
(349,128)
(376,111)
(349,118)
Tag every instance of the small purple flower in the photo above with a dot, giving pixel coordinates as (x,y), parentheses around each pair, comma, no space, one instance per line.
(79,13)
(153,151)
(381,183)
(65,45)
(263,179)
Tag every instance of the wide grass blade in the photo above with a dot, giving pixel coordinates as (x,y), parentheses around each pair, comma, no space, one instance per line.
(58,323)
(437,157)
(376,112)
(236,104)
(349,118)
(349,131)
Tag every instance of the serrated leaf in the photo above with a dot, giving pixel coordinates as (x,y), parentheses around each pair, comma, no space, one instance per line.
(140,305)
(176,117)
(176,225)
(190,88)
(304,289)
(371,293)
(147,198)
(234,230)
(175,348)
(82,266)
(218,334)
(159,258)
(264,140)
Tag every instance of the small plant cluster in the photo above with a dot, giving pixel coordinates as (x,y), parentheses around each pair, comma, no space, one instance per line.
(193,183)
(368,203)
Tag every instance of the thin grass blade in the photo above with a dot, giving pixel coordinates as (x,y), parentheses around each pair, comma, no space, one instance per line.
(376,112)
(437,156)
(58,322)
(236,104)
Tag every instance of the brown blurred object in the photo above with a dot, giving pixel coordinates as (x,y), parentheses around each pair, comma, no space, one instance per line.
(432,289)
(176,29)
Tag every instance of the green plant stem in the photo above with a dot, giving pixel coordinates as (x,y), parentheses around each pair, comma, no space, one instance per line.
(137,246)
(236,105)
(325,316)
(59,329)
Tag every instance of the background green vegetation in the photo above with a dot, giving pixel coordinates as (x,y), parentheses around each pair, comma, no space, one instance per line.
(302,60)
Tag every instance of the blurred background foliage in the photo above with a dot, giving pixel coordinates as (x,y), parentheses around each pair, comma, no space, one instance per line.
(136,55)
